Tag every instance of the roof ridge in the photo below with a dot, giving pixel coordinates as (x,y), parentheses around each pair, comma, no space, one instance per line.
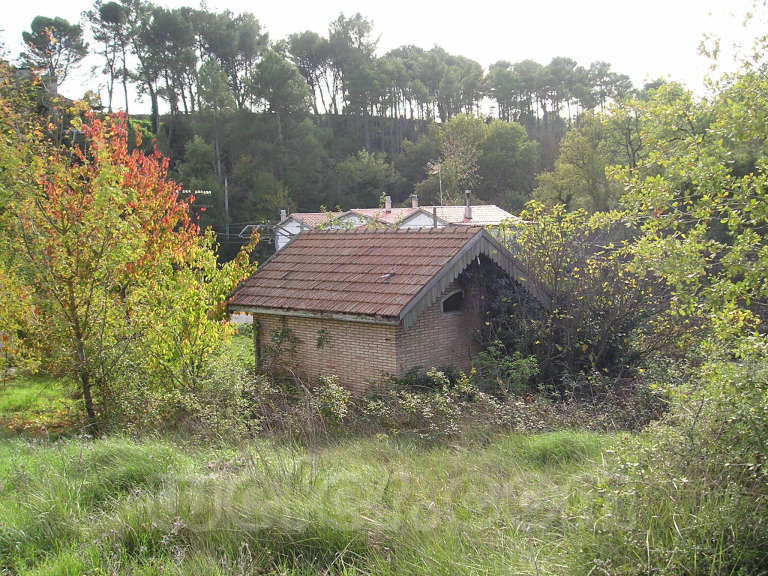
(450,229)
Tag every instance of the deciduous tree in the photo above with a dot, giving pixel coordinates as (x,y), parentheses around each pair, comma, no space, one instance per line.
(107,243)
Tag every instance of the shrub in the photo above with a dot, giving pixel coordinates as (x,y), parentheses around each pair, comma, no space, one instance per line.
(245,329)
(431,410)
(332,399)
(600,307)
(690,495)
(222,405)
(499,373)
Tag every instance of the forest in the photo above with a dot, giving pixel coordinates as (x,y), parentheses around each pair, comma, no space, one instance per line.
(322,120)
(619,430)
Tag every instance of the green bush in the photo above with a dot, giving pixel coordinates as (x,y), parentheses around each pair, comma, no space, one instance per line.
(690,494)
(498,373)
(431,409)
(332,399)
(222,405)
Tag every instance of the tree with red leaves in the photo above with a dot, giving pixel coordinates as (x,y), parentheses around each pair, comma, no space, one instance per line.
(108,245)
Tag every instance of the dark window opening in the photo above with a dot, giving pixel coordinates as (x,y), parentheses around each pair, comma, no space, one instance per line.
(453,303)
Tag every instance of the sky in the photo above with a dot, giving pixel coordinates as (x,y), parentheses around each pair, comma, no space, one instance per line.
(645,40)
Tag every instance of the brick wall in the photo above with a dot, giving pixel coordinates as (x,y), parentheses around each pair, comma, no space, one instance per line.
(358,353)
(438,339)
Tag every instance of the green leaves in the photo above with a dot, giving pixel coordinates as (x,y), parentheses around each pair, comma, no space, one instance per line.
(54,46)
(700,200)
(110,259)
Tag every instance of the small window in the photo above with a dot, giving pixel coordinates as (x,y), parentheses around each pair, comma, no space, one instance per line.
(453,303)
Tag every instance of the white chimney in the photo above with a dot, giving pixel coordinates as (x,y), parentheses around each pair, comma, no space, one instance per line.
(388,203)
(283,215)
(467,205)
(414,201)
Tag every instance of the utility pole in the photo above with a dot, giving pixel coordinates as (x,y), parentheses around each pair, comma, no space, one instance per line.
(440,181)
(226,203)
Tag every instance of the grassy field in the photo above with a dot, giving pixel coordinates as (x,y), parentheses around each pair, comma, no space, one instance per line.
(373,506)
(38,406)
(368,505)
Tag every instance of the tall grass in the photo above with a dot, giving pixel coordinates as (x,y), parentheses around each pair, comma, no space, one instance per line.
(38,405)
(374,506)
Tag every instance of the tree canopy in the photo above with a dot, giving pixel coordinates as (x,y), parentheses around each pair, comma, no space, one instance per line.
(301,109)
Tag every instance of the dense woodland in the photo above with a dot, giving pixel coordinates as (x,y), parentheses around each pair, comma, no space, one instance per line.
(318,120)
(644,218)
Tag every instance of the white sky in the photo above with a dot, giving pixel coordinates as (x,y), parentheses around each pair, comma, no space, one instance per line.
(646,40)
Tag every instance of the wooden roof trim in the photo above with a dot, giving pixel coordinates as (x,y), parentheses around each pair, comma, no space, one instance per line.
(481,243)
(366,319)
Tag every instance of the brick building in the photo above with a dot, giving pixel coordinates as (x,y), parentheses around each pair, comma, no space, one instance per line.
(364,304)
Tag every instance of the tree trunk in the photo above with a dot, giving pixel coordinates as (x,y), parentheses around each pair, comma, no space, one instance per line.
(183,93)
(125,81)
(218,146)
(313,87)
(155,109)
(85,384)
(366,131)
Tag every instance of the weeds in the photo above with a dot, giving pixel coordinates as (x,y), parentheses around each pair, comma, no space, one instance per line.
(370,506)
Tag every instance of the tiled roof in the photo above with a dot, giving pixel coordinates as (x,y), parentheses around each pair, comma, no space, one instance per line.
(393,216)
(482,214)
(313,219)
(354,272)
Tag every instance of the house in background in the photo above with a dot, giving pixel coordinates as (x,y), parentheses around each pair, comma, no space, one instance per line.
(362,304)
(415,216)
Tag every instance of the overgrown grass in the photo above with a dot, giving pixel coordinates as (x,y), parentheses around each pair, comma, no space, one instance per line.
(240,347)
(38,405)
(376,506)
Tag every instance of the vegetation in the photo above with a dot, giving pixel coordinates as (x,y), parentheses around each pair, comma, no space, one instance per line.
(321,119)
(39,405)
(55,46)
(648,234)
(116,282)
(372,506)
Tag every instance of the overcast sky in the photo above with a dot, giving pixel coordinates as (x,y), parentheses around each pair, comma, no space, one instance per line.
(646,40)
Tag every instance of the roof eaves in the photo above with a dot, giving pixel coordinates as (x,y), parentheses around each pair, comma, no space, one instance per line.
(363,318)
(369,219)
(480,243)
(284,221)
(440,281)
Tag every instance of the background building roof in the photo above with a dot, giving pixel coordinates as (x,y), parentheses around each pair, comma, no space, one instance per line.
(482,214)
(391,216)
(314,219)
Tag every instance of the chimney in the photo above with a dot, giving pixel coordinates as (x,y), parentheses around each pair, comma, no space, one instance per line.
(434,216)
(388,204)
(414,201)
(467,205)
(283,215)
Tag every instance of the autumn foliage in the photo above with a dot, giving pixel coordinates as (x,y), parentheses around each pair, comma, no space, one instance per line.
(118,268)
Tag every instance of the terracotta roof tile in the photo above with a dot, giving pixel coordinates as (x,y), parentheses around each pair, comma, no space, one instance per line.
(359,272)
(393,216)
(313,219)
(482,215)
